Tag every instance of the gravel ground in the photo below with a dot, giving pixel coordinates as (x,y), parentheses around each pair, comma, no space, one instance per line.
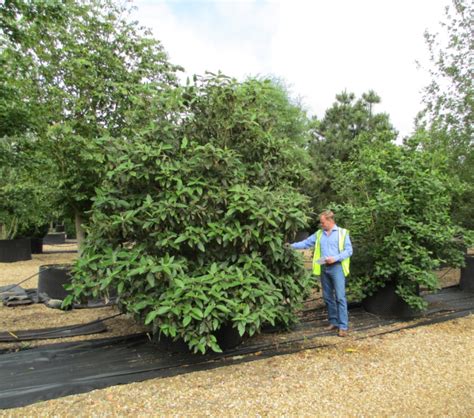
(11,273)
(39,316)
(426,371)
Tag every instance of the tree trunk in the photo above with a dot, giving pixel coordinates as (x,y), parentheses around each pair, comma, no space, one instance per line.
(80,233)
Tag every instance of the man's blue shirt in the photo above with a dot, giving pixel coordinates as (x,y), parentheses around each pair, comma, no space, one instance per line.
(329,245)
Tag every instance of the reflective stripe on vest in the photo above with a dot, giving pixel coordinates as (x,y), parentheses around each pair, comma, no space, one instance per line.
(317,252)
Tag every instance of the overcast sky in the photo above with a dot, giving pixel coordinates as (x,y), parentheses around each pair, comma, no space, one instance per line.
(319,47)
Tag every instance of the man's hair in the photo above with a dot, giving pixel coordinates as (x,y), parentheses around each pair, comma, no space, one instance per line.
(328,214)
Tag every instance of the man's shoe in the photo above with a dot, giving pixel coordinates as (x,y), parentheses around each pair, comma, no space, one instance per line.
(343,333)
(331,327)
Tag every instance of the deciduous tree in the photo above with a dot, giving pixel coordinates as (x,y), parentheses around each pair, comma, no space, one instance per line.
(89,73)
(448,115)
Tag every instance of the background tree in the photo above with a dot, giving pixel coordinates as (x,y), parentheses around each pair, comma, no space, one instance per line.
(334,139)
(94,74)
(448,114)
(190,228)
(25,198)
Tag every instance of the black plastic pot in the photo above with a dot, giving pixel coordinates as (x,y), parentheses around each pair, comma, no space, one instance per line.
(466,281)
(227,338)
(36,245)
(386,303)
(55,238)
(52,278)
(167,344)
(12,250)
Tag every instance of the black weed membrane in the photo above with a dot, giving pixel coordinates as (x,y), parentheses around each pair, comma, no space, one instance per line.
(63,369)
(94,327)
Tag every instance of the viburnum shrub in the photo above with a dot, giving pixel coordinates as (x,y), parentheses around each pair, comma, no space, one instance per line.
(397,207)
(190,227)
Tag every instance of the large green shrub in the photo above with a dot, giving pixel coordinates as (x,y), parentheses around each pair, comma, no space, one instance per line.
(397,207)
(190,224)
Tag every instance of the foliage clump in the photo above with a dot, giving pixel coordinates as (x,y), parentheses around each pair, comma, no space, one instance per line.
(25,199)
(74,73)
(190,224)
(448,114)
(397,206)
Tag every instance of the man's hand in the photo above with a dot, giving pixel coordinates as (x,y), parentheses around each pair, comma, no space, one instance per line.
(330,260)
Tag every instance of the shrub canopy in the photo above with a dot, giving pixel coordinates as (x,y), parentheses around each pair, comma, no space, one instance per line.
(397,207)
(191,221)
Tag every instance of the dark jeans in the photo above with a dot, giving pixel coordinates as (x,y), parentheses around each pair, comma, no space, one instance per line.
(334,294)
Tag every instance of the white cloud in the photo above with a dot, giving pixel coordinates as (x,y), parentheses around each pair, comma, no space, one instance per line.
(319,47)
(195,42)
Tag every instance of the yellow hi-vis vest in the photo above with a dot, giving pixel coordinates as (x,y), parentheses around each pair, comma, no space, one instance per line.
(317,252)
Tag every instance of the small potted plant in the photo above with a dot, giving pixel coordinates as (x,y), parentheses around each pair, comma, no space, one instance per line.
(35,232)
(11,248)
(22,225)
(24,199)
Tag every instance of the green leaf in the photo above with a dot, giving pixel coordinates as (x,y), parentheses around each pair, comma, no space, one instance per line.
(67,301)
(140,305)
(215,347)
(241,328)
(120,288)
(150,278)
(197,312)
(181,238)
(208,310)
(162,310)
(223,308)
(150,317)
(187,320)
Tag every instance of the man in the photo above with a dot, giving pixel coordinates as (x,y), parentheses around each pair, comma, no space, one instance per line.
(332,252)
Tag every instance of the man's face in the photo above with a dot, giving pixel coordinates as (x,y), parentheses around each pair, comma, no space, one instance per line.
(325,223)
